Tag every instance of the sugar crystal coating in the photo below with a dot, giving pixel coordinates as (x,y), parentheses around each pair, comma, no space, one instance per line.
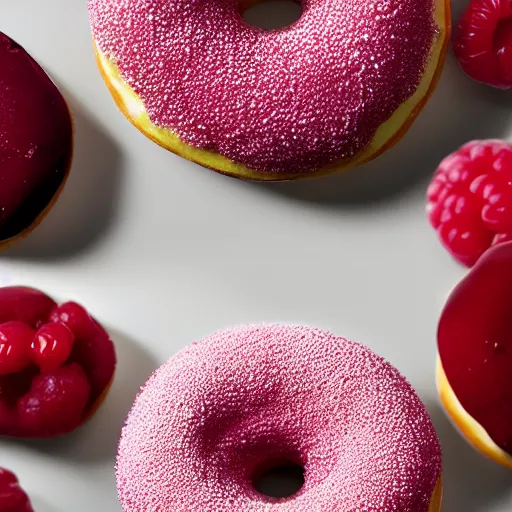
(221,407)
(289,100)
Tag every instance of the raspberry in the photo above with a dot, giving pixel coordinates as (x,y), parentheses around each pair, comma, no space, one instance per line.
(56,402)
(74,316)
(502,238)
(52,346)
(12,497)
(93,349)
(483,42)
(15,340)
(52,380)
(470,199)
(7,478)
(26,305)
(15,385)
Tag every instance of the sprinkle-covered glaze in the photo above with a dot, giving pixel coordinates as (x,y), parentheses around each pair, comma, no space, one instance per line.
(221,408)
(288,100)
(35,138)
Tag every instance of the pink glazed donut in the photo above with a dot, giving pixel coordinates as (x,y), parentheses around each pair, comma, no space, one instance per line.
(331,91)
(220,410)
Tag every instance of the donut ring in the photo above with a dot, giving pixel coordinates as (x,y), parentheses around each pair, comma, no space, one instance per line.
(474,363)
(331,91)
(224,407)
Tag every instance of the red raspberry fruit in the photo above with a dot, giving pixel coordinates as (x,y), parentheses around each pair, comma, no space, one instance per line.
(52,346)
(470,199)
(73,316)
(52,380)
(55,403)
(15,340)
(483,42)
(12,497)
(93,349)
(26,305)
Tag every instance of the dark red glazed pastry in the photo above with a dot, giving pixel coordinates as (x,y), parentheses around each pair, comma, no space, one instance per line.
(56,364)
(35,142)
(474,372)
(12,496)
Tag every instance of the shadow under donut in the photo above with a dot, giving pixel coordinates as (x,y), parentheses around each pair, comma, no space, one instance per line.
(87,207)
(472,483)
(459,110)
(97,440)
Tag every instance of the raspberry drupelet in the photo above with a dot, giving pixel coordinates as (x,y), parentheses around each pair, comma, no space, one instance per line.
(56,364)
(470,199)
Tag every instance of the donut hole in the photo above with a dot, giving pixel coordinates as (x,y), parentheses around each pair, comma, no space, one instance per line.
(271,14)
(278,478)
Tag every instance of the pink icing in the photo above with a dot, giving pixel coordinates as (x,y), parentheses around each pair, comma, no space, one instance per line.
(215,412)
(289,100)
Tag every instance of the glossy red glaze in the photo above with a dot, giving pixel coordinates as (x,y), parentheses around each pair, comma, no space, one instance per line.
(475,343)
(64,387)
(93,348)
(7,478)
(52,345)
(56,402)
(15,340)
(35,138)
(25,305)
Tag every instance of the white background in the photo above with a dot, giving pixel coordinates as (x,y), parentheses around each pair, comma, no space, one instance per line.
(164,252)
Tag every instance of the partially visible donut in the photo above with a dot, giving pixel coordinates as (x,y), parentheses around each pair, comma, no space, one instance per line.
(36,142)
(333,90)
(221,409)
(474,368)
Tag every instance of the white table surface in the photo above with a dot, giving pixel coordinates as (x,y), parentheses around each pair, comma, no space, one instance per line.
(164,252)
